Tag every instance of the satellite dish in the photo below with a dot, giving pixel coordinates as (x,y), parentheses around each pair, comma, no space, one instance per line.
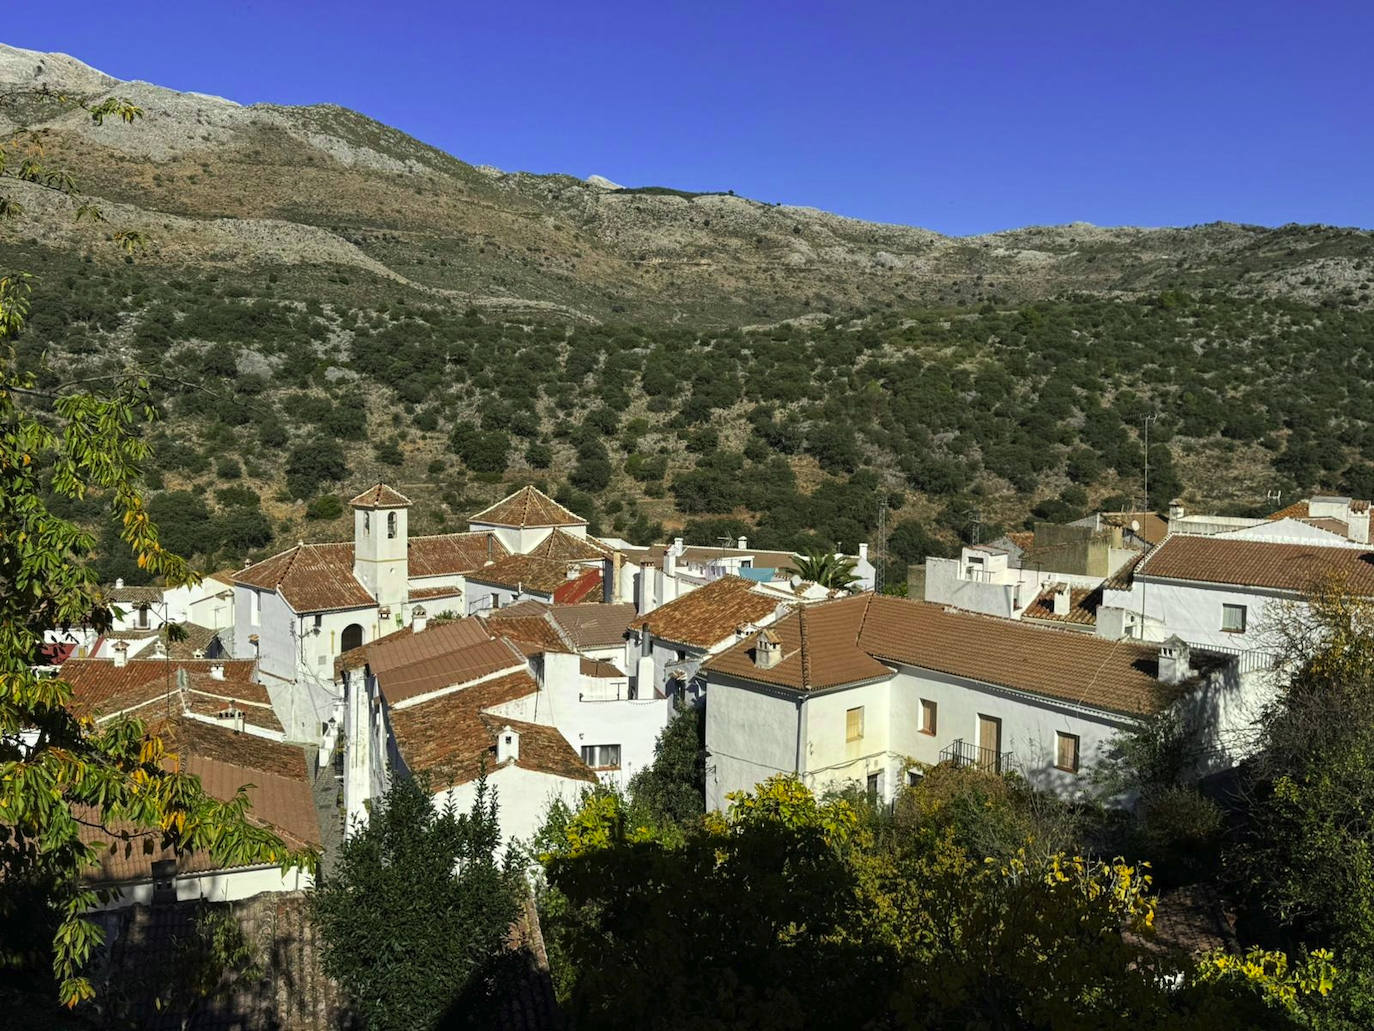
(1135,526)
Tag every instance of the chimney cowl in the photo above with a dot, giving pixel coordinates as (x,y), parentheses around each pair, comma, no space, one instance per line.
(767,649)
(217,671)
(419,619)
(121,653)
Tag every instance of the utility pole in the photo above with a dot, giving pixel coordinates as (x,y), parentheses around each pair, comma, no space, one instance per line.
(1148,419)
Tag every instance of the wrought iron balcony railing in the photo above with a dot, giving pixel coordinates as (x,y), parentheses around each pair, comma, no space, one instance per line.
(965,753)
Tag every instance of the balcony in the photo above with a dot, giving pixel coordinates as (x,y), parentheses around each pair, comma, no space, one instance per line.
(964,753)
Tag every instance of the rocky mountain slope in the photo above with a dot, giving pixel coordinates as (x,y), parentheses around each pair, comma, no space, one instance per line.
(318,192)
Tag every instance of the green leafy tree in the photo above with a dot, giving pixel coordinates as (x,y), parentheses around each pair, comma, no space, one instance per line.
(1302,862)
(789,911)
(673,788)
(827,569)
(60,775)
(418,907)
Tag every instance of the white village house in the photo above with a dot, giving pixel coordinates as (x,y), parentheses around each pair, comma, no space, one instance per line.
(298,611)
(452,700)
(853,691)
(222,727)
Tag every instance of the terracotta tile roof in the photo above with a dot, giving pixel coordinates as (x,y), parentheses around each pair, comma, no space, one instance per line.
(99,687)
(528,506)
(1153,527)
(197,639)
(311,577)
(432,593)
(1083,603)
(709,614)
(852,633)
(404,646)
(211,706)
(599,669)
(225,761)
(567,547)
(524,571)
(401,683)
(319,577)
(448,553)
(1254,563)
(819,649)
(450,737)
(380,496)
(133,595)
(1297,510)
(574,592)
(592,625)
(532,630)
(1122,579)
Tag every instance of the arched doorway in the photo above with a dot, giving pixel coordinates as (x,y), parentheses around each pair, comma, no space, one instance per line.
(352,637)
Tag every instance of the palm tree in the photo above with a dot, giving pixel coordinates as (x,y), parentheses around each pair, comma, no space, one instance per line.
(827,569)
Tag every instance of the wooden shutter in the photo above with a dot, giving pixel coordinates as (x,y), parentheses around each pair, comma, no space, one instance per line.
(1066,752)
(927,716)
(854,724)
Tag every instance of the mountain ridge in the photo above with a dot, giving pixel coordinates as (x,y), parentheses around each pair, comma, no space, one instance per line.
(486,238)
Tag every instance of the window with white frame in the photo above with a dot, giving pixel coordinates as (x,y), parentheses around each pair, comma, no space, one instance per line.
(1233,619)
(601,757)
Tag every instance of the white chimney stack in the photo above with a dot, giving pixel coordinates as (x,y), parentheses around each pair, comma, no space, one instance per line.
(1062,598)
(119,582)
(1176,509)
(1174,664)
(1357,521)
(743,544)
(121,654)
(767,650)
(217,671)
(863,552)
(419,619)
(670,562)
(508,745)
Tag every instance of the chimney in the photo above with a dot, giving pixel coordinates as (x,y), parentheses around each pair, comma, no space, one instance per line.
(1176,509)
(217,671)
(1174,661)
(742,631)
(119,583)
(679,545)
(121,654)
(1358,522)
(1062,598)
(863,552)
(742,544)
(507,745)
(767,650)
(670,561)
(419,619)
(159,649)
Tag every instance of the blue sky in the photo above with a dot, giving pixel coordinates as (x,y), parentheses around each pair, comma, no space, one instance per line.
(963,117)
